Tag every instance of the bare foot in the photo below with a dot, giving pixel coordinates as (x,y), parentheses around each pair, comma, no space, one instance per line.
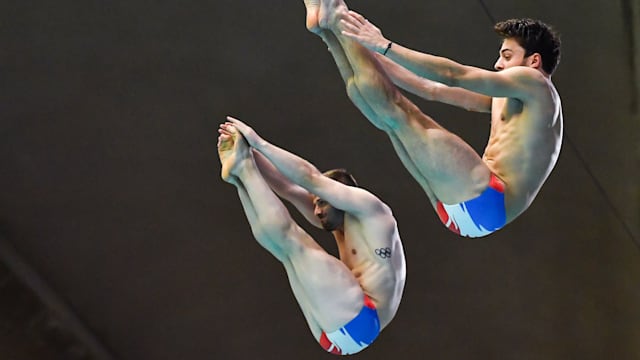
(232,149)
(313,10)
(330,13)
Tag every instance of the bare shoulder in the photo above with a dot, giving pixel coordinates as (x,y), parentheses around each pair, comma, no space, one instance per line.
(532,84)
(518,82)
(372,213)
(370,204)
(350,199)
(526,75)
(378,227)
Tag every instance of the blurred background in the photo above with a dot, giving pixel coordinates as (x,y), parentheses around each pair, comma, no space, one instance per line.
(118,240)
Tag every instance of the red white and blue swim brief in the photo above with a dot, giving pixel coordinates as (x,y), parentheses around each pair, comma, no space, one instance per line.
(356,335)
(479,216)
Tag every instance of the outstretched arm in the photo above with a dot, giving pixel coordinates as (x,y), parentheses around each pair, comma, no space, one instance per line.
(514,82)
(356,201)
(296,195)
(434,91)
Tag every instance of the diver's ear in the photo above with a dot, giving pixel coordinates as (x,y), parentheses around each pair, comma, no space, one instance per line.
(535,61)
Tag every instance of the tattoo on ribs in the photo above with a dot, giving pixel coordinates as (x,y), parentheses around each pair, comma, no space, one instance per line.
(384,253)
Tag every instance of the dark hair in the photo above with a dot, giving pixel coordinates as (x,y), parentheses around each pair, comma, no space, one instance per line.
(535,37)
(341,175)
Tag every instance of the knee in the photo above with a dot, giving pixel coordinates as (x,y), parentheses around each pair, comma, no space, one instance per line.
(352,90)
(278,239)
(379,92)
(363,86)
(369,82)
(270,227)
(370,110)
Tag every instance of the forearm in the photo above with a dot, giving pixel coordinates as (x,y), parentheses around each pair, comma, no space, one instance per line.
(294,194)
(294,168)
(435,68)
(432,67)
(432,90)
(405,79)
(274,178)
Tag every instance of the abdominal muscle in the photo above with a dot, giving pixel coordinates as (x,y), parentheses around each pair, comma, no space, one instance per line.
(379,280)
(521,151)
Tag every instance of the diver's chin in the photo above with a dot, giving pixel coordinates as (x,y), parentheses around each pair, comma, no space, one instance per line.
(328,227)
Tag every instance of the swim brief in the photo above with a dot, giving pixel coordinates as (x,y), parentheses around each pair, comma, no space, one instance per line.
(356,335)
(479,216)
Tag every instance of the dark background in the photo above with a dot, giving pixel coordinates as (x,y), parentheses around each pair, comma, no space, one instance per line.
(119,240)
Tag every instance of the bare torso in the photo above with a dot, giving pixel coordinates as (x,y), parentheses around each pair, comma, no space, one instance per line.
(524,145)
(372,250)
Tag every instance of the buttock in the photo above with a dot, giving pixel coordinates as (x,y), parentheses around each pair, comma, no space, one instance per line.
(479,216)
(355,335)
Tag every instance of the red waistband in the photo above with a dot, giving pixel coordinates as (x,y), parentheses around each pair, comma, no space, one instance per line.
(496,184)
(368,302)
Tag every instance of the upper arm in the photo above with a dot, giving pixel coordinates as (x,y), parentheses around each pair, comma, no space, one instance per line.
(302,200)
(296,195)
(433,90)
(463,98)
(518,82)
(351,199)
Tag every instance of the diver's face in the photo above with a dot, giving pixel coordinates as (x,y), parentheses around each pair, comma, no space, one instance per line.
(511,54)
(330,218)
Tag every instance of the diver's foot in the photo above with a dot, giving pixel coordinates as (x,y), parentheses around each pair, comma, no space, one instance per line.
(232,149)
(313,11)
(330,13)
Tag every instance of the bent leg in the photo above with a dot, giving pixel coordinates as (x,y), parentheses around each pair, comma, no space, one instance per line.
(454,172)
(326,290)
(362,104)
(347,74)
(268,217)
(411,167)
(446,167)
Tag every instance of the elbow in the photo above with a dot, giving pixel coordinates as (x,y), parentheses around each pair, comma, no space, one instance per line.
(433,91)
(453,75)
(451,78)
(309,175)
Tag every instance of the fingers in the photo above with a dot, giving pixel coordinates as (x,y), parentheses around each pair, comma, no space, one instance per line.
(352,21)
(349,30)
(227,128)
(238,125)
(361,19)
(350,35)
(234,121)
(348,19)
(241,130)
(350,27)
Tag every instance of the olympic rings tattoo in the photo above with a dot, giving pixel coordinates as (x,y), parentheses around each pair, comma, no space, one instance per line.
(384,253)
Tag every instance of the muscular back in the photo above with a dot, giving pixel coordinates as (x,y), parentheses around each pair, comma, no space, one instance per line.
(524,144)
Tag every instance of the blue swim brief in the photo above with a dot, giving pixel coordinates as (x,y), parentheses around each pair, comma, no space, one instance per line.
(479,216)
(356,335)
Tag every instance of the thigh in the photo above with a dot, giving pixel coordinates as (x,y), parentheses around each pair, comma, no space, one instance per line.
(452,169)
(326,290)
(412,168)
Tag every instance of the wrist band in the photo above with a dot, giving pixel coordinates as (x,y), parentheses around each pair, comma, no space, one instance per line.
(387,49)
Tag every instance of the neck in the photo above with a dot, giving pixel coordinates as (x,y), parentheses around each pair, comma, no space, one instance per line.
(338,234)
